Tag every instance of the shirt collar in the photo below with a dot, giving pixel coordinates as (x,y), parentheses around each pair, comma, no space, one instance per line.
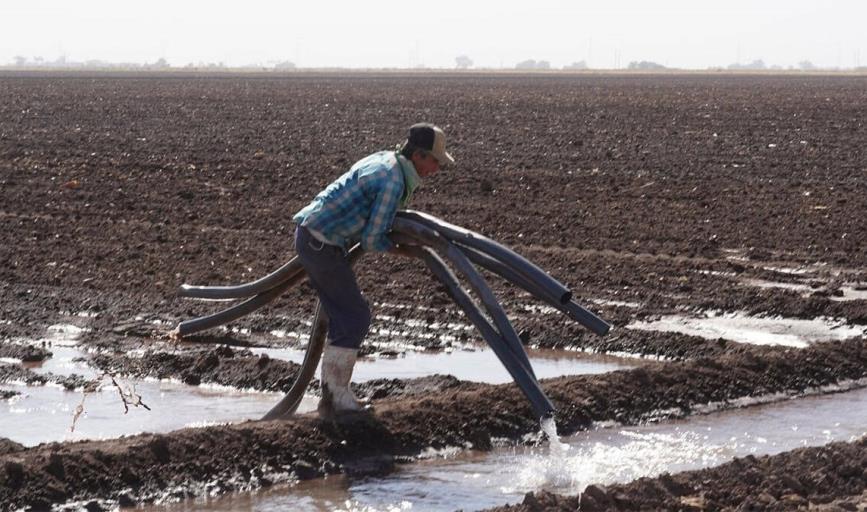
(410,177)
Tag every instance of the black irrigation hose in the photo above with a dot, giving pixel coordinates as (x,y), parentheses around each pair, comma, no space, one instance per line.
(501,269)
(526,382)
(431,238)
(519,265)
(460,246)
(250,289)
(571,308)
(498,251)
(289,404)
(225,316)
(586,318)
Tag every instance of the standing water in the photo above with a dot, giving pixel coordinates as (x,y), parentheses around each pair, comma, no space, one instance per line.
(45,413)
(473,480)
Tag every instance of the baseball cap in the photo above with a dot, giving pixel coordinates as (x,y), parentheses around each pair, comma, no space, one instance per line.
(430,138)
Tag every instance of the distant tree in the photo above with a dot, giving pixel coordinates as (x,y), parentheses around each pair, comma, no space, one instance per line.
(20,61)
(757,64)
(806,65)
(645,65)
(533,64)
(284,66)
(463,62)
(161,63)
(576,65)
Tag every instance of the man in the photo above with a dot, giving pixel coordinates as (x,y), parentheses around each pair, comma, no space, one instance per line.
(358,207)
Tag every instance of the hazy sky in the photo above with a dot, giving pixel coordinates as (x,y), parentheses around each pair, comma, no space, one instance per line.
(325,33)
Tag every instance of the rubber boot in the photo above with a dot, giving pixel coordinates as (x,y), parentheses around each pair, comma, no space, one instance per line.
(337,397)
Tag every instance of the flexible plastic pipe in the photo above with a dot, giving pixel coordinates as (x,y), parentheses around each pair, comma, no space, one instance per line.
(525,380)
(240,291)
(500,252)
(289,404)
(571,308)
(225,316)
(248,306)
(431,238)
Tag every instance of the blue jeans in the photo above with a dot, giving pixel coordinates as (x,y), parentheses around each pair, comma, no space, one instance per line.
(331,276)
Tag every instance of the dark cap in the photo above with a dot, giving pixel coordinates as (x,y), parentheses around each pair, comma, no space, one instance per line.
(430,138)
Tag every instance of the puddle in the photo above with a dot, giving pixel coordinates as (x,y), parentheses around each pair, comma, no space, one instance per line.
(617,303)
(743,328)
(798,271)
(761,283)
(476,365)
(44,413)
(473,481)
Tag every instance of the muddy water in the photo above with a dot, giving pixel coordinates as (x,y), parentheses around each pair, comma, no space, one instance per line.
(473,481)
(743,328)
(45,413)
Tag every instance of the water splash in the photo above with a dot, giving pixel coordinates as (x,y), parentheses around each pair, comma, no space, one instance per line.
(556,448)
(551,469)
(623,456)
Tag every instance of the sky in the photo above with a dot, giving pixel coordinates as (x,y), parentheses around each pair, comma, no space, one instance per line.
(690,34)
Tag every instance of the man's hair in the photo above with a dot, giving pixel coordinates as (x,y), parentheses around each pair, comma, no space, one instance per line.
(409,149)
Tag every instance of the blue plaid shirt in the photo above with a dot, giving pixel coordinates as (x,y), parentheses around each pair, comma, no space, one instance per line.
(360,205)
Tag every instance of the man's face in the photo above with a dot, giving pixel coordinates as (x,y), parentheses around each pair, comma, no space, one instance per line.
(425,165)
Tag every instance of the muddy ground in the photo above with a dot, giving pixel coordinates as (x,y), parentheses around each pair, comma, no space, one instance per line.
(648,195)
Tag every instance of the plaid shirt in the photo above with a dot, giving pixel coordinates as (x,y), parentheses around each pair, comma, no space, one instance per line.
(360,205)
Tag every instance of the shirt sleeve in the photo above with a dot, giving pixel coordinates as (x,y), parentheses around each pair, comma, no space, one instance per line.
(374,236)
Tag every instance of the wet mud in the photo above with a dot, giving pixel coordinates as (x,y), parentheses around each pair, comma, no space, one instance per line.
(24,353)
(221,365)
(17,374)
(8,446)
(647,195)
